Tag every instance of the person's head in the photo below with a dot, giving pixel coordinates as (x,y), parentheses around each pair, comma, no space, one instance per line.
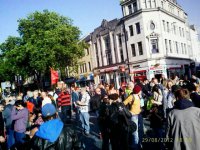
(48,112)
(19,104)
(35,93)
(113,96)
(130,85)
(146,81)
(83,90)
(182,94)
(175,88)
(155,81)
(169,84)
(98,91)
(43,94)
(137,89)
(1,107)
(111,87)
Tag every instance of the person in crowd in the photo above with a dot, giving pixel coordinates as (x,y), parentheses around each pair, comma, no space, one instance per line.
(103,90)
(122,93)
(195,97)
(83,105)
(196,79)
(103,119)
(19,115)
(28,95)
(156,123)
(2,128)
(157,95)
(45,98)
(53,133)
(8,122)
(35,99)
(95,101)
(134,101)
(75,98)
(183,131)
(129,88)
(112,90)
(64,101)
(119,130)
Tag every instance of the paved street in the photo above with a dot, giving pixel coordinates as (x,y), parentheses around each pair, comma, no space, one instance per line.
(93,142)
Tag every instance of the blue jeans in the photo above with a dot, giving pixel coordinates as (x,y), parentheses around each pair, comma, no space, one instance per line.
(85,123)
(10,137)
(135,142)
(19,137)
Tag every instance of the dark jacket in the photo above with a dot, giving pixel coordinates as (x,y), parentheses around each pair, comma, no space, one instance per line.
(54,135)
(195,99)
(95,102)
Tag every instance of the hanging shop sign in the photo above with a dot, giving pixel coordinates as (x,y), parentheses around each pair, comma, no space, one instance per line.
(109,69)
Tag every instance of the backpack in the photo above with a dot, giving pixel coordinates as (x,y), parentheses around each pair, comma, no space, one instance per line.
(122,118)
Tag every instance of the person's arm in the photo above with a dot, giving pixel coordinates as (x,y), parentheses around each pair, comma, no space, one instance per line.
(17,115)
(128,100)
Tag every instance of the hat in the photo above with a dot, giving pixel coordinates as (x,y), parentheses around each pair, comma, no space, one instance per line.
(136,89)
(48,110)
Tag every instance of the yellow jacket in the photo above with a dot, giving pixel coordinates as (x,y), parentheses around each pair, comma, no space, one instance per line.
(135,108)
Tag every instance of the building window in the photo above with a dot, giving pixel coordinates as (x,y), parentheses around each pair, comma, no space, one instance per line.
(170,46)
(87,51)
(176,47)
(133,50)
(153,3)
(164,25)
(109,57)
(185,48)
(180,31)
(174,29)
(135,6)
(85,67)
(107,42)
(89,66)
(97,55)
(182,48)
(130,11)
(162,4)
(167,26)
(140,48)
(166,45)
(183,32)
(131,30)
(145,3)
(149,3)
(138,28)
(154,46)
(121,55)
(120,40)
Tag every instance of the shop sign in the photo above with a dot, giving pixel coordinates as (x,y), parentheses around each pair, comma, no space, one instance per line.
(109,69)
(156,68)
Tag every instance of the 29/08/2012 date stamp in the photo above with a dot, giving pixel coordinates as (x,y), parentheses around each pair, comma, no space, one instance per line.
(166,140)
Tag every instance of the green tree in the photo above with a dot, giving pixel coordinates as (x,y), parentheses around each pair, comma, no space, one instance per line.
(46,40)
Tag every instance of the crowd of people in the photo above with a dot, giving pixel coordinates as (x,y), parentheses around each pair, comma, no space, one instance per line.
(43,120)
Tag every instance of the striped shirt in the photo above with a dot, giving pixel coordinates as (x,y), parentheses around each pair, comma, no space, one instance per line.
(64,99)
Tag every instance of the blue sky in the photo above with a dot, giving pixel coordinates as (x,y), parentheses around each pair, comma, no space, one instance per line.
(86,14)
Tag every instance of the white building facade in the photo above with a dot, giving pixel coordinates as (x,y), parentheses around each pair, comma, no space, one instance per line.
(160,40)
(153,38)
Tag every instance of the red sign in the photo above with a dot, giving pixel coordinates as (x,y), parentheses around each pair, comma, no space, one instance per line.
(54,76)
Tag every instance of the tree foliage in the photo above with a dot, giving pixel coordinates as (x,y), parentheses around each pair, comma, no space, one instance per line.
(46,40)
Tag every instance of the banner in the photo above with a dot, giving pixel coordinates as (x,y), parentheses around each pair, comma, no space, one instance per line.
(54,76)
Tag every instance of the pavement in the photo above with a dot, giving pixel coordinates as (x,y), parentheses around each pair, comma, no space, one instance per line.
(94,142)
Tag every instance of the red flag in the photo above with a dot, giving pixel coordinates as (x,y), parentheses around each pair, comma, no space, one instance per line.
(54,76)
